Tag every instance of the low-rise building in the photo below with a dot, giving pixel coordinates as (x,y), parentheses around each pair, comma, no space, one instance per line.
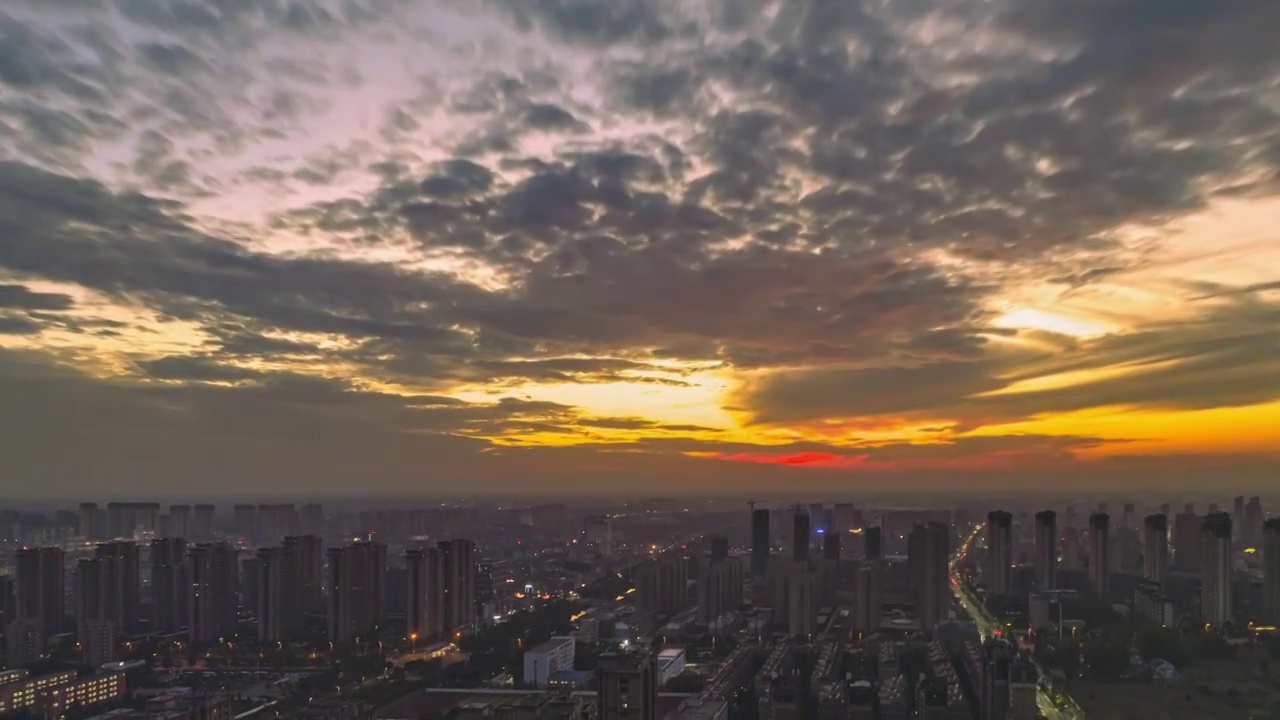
(670,664)
(553,656)
(51,695)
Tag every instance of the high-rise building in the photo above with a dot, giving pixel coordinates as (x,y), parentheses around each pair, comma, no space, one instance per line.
(313,519)
(1251,533)
(40,585)
(486,589)
(1271,570)
(994,700)
(250,581)
(800,537)
(202,523)
(90,521)
(179,521)
(459,610)
(1237,516)
(802,599)
(1216,563)
(288,589)
(626,687)
(842,518)
(170,583)
(760,542)
(995,573)
(124,519)
(831,546)
(1100,554)
(1128,551)
(1130,517)
(276,521)
(1071,548)
(123,584)
(927,556)
(95,628)
(661,585)
(1186,540)
(24,642)
(244,521)
(213,600)
(817,520)
(598,530)
(357,579)
(425,580)
(872,544)
(868,603)
(719,587)
(8,601)
(270,594)
(1155,548)
(1046,549)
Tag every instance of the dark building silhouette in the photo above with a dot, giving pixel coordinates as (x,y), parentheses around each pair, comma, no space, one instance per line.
(357,581)
(868,602)
(719,584)
(1046,549)
(760,542)
(1186,540)
(1217,564)
(123,584)
(831,546)
(800,537)
(459,609)
(180,519)
(627,687)
(927,558)
(202,522)
(213,601)
(661,585)
(873,544)
(719,548)
(1271,570)
(999,552)
(95,628)
(170,583)
(1155,548)
(1100,554)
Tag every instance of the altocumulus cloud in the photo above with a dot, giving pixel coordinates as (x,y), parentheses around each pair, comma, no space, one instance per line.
(398,231)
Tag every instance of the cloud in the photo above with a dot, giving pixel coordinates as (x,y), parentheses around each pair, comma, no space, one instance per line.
(11,325)
(1228,358)
(22,298)
(824,207)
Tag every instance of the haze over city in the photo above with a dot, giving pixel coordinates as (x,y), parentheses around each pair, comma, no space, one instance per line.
(393,248)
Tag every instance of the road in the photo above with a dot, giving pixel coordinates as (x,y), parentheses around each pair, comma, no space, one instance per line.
(1053,702)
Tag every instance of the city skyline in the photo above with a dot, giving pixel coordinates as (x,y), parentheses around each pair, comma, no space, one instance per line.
(314,248)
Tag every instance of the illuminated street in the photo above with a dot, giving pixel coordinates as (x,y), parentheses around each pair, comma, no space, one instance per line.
(1054,703)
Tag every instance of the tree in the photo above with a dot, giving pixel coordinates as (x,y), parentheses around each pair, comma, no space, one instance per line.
(1107,658)
(1163,643)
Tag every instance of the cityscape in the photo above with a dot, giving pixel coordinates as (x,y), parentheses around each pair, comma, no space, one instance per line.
(657,609)
(639,359)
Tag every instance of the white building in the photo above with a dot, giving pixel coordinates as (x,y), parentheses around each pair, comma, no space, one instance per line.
(552,656)
(670,664)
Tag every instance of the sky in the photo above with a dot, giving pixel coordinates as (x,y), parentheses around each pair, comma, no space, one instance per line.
(387,247)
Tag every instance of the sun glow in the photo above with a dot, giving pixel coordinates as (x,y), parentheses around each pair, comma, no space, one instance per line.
(1070,325)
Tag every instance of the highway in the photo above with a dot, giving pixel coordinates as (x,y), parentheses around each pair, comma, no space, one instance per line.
(1053,702)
